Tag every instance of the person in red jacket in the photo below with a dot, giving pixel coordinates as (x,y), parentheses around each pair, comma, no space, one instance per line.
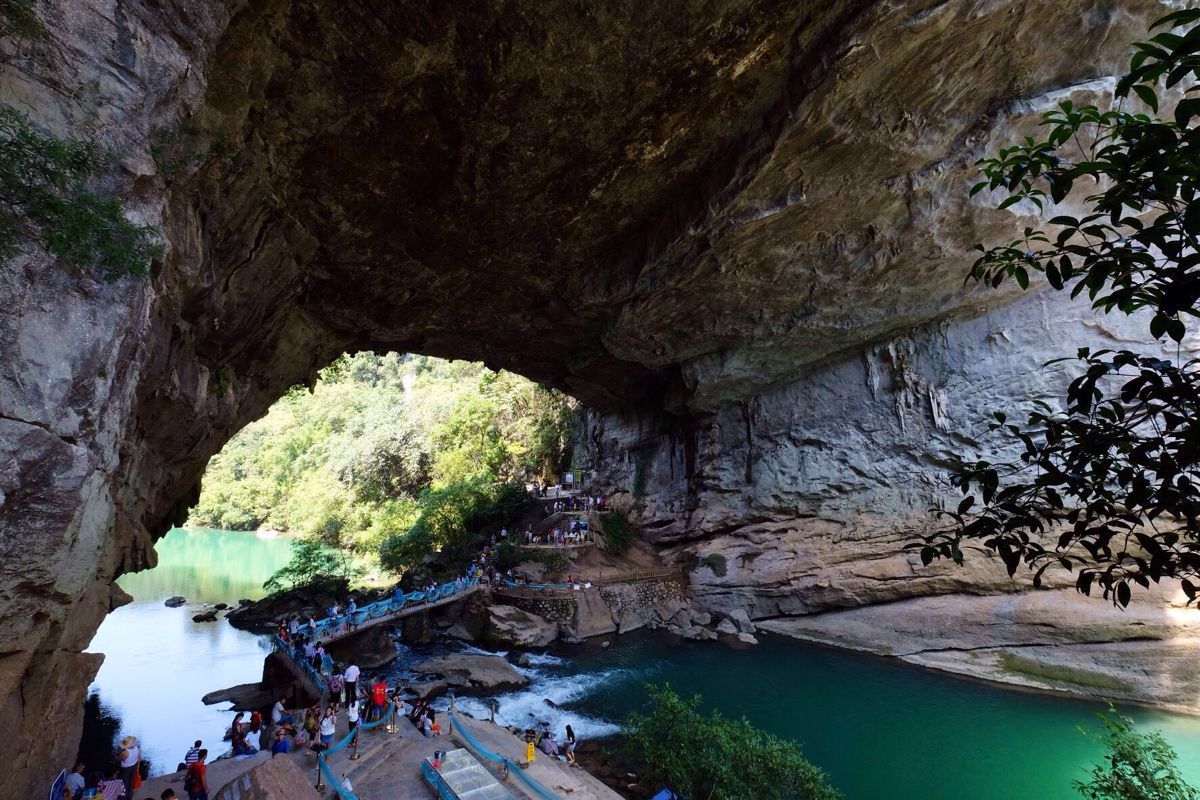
(378,697)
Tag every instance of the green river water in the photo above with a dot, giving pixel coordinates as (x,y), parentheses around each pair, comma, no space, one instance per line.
(880,728)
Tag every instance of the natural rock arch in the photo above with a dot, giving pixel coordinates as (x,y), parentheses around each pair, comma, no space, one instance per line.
(659,211)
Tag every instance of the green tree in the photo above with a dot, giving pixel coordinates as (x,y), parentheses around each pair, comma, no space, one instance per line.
(702,757)
(310,559)
(1106,485)
(1137,766)
(454,521)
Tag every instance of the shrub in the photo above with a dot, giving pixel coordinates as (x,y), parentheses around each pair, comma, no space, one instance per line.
(44,195)
(618,533)
(703,757)
(1139,766)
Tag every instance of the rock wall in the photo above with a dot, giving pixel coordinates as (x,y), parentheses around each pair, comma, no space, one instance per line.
(660,210)
(800,498)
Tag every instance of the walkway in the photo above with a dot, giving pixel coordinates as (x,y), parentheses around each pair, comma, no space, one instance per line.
(333,629)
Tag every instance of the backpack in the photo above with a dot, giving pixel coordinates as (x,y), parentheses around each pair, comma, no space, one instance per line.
(190,781)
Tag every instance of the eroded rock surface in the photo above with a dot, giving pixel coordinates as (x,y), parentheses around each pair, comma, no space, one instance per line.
(673,212)
(473,672)
(513,627)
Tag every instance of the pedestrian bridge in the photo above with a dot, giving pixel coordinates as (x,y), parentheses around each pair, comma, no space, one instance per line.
(331,629)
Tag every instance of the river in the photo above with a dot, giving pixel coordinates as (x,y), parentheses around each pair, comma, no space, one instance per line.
(880,728)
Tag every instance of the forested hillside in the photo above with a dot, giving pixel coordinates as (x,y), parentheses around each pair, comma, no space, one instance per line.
(357,458)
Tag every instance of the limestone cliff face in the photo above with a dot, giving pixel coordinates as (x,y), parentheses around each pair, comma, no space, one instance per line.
(800,498)
(664,211)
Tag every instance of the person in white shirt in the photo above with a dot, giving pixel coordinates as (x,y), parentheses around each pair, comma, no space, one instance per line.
(352,715)
(328,726)
(351,683)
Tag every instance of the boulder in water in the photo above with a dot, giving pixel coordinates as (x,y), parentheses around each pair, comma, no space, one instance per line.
(508,625)
(174,602)
(482,673)
(206,616)
(221,606)
(244,696)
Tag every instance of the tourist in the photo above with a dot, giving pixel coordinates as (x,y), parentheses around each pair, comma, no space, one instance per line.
(280,745)
(352,715)
(113,788)
(130,758)
(167,794)
(255,721)
(569,745)
(310,651)
(378,697)
(279,715)
(91,789)
(351,683)
(337,682)
(318,657)
(195,782)
(75,780)
(548,745)
(434,728)
(351,606)
(192,754)
(312,625)
(293,625)
(328,726)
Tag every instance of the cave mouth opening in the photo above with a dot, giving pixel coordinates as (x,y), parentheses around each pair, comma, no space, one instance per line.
(350,460)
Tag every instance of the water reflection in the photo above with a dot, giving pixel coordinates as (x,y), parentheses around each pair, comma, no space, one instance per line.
(158,663)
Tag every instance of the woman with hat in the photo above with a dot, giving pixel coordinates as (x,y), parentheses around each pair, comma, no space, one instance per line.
(129,756)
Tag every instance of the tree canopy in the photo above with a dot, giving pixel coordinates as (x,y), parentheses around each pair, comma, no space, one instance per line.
(382,445)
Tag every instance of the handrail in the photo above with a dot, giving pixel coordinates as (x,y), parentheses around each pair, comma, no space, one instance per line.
(322,763)
(377,610)
(327,628)
(626,577)
(512,767)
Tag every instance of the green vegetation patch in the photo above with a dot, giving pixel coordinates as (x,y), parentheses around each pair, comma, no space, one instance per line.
(45,195)
(618,533)
(1057,673)
(713,756)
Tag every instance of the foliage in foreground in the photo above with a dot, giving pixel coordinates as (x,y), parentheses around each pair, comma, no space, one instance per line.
(1138,766)
(44,194)
(1108,485)
(702,757)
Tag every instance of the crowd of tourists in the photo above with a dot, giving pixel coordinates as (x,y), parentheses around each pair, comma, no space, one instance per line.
(113,781)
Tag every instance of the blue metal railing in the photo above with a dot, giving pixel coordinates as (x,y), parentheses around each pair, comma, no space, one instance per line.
(377,610)
(538,585)
(335,782)
(389,606)
(512,767)
(302,663)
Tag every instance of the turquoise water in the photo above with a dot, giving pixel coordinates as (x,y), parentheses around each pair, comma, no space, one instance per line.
(882,730)
(158,663)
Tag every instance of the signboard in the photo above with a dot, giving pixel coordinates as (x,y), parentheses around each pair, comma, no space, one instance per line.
(56,788)
(568,478)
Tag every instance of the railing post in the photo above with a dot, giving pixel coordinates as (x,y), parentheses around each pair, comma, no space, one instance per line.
(319,786)
(392,726)
(450,716)
(354,744)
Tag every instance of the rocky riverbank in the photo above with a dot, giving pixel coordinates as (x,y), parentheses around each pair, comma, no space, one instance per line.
(1054,641)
